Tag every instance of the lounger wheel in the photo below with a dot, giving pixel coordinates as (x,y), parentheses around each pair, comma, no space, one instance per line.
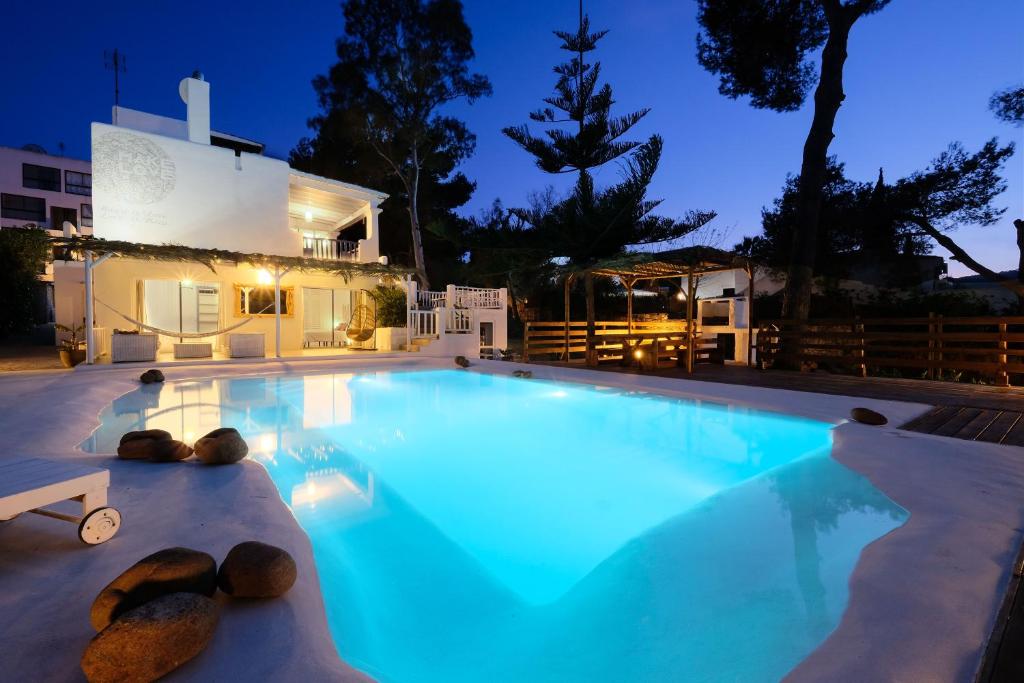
(99,526)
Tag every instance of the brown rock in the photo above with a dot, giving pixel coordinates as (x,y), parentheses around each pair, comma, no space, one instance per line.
(256,570)
(222,446)
(173,570)
(151,376)
(868,417)
(169,451)
(137,445)
(152,640)
(462,361)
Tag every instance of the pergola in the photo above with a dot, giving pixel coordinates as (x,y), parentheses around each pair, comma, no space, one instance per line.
(687,262)
(95,251)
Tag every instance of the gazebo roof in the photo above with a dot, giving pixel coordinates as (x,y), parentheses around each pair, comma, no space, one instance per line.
(670,264)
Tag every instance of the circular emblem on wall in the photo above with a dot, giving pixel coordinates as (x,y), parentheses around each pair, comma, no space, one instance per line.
(132,168)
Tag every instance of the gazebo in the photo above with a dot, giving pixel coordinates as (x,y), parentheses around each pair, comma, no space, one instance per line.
(689,263)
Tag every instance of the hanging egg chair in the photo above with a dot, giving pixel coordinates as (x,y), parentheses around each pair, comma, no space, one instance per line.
(363,323)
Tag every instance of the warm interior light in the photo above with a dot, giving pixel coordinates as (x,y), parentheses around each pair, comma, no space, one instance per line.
(264,277)
(638,354)
(680,295)
(309,215)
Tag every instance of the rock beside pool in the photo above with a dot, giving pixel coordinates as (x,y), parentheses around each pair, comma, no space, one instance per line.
(525,374)
(155,445)
(152,640)
(151,376)
(138,445)
(462,361)
(868,417)
(257,570)
(173,570)
(222,446)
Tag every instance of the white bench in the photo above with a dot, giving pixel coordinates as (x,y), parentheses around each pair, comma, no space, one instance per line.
(193,350)
(126,348)
(247,345)
(30,484)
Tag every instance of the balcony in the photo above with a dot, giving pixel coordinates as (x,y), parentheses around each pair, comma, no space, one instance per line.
(329,249)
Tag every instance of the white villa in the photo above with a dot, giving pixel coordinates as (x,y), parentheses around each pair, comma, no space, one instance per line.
(160,181)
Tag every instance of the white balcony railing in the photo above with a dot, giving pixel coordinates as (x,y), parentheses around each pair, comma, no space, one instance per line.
(458,322)
(328,249)
(427,300)
(423,324)
(475,297)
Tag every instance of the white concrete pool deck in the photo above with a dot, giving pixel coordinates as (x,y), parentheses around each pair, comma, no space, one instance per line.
(923,598)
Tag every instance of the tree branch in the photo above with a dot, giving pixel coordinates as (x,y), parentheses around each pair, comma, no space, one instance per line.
(962,256)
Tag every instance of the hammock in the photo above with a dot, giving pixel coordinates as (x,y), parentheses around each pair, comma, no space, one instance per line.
(176,333)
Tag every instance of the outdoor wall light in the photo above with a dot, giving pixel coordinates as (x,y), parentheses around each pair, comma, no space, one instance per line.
(309,215)
(638,354)
(681,296)
(187,282)
(264,277)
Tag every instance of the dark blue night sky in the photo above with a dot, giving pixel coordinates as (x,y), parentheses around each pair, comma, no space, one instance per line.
(918,77)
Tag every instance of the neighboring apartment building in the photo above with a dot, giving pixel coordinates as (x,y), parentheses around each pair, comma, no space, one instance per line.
(158,180)
(45,190)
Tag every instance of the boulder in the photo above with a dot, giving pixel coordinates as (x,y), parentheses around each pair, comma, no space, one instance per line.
(525,374)
(462,361)
(152,640)
(256,570)
(169,451)
(173,570)
(152,444)
(137,445)
(868,417)
(151,376)
(222,446)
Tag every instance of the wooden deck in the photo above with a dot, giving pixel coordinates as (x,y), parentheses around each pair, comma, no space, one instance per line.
(973,424)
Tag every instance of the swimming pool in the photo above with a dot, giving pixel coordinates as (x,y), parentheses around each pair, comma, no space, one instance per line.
(471,526)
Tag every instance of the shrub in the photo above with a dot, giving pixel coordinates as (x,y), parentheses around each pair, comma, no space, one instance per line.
(391,310)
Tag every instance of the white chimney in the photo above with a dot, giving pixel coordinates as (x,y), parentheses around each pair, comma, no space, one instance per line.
(195,92)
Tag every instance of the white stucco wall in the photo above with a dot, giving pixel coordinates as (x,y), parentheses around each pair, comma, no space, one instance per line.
(155,189)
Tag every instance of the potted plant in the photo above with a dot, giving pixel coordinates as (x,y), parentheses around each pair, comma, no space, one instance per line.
(71,351)
(391,317)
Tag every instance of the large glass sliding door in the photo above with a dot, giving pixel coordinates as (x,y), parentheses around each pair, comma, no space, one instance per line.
(325,315)
(181,305)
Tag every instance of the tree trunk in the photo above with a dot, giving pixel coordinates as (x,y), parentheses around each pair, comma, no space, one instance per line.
(417,246)
(828,97)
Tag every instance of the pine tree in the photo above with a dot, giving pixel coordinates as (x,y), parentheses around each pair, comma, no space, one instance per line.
(593,224)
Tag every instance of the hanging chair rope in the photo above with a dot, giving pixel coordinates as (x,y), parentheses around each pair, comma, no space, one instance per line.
(175,333)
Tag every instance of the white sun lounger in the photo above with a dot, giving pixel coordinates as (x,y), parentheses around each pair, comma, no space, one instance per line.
(30,484)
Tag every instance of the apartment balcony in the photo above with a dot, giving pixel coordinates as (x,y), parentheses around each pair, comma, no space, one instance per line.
(329,249)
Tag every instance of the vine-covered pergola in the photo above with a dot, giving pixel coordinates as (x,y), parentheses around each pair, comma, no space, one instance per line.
(94,251)
(687,262)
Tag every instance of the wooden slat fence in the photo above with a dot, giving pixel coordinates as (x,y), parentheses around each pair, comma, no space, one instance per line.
(989,346)
(546,340)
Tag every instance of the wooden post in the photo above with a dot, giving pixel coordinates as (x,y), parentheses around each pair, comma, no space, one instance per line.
(750,315)
(588,282)
(938,344)
(1002,378)
(858,327)
(931,345)
(526,342)
(568,284)
(690,313)
(629,306)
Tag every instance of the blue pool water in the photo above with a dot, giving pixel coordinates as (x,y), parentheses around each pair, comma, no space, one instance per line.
(472,527)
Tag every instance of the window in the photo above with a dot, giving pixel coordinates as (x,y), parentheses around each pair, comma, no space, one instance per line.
(40,177)
(23,208)
(259,301)
(78,183)
(86,216)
